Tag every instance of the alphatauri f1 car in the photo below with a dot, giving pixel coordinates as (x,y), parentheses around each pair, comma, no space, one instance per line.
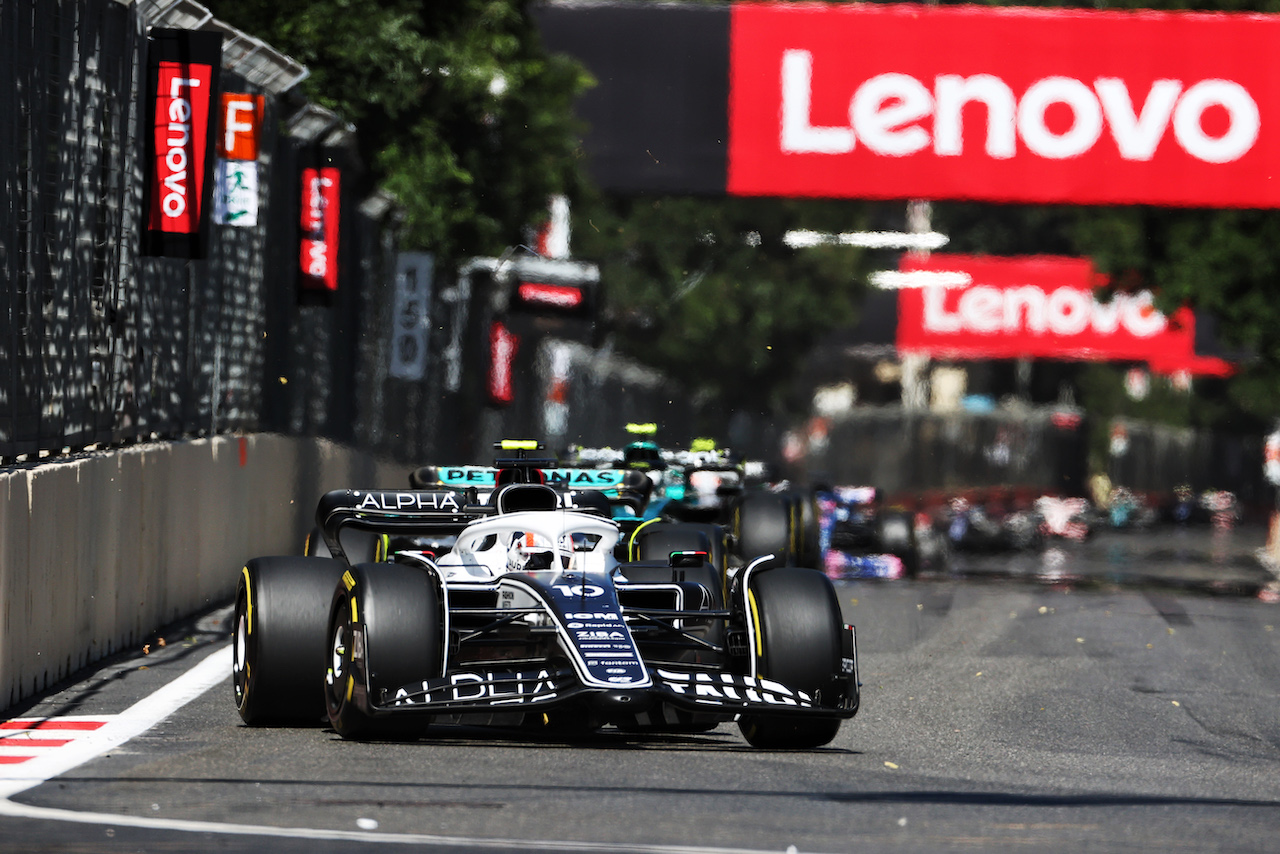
(530,620)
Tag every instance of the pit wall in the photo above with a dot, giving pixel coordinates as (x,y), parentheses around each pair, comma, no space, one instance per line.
(99,551)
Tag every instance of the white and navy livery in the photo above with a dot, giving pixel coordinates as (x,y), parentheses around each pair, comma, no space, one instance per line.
(531,619)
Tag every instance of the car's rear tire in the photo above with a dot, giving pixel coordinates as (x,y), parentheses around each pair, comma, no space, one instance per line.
(656,541)
(763,526)
(799,624)
(280,623)
(808,517)
(397,608)
(897,536)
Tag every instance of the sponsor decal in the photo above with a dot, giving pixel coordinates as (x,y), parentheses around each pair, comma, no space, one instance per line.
(485,476)
(600,636)
(318,260)
(488,686)
(410,317)
(1041,307)
(181,132)
(241,121)
(235,198)
(467,476)
(181,80)
(731,689)
(1011,105)
(583,477)
(410,502)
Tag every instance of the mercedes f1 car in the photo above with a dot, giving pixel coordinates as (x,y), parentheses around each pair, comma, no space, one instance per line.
(530,619)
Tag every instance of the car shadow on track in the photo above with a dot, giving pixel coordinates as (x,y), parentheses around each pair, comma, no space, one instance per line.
(723,740)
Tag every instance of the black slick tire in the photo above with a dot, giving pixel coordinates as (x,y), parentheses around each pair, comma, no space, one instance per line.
(279,644)
(763,526)
(396,610)
(799,626)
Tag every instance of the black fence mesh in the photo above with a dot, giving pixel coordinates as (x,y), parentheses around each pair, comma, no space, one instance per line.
(100,345)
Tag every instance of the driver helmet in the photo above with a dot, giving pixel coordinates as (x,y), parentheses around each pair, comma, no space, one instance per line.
(530,552)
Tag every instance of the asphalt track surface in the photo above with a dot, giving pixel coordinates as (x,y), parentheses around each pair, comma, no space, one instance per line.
(1120,695)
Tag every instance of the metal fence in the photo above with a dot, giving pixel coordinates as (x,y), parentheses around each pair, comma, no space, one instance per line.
(100,345)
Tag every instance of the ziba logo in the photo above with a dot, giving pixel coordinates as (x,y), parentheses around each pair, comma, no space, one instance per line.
(890,115)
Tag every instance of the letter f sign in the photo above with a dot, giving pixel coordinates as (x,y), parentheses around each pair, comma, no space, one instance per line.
(240,115)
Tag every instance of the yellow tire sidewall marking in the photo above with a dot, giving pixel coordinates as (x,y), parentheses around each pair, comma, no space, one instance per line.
(755,619)
(248,598)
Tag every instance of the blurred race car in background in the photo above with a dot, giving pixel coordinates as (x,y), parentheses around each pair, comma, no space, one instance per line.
(861,538)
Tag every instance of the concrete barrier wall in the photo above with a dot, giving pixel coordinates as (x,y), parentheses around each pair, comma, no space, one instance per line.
(100,551)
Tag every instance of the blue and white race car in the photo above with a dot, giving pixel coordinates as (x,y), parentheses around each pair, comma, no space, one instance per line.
(530,619)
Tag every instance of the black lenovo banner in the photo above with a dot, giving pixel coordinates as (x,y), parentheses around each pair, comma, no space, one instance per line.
(182,76)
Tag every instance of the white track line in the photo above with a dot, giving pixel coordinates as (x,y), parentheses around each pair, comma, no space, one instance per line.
(133,721)
(149,711)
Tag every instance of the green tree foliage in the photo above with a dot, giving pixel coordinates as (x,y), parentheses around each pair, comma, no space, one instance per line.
(463,115)
(458,109)
(707,291)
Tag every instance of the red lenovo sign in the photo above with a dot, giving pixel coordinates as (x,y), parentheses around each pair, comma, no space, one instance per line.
(1041,307)
(503,345)
(319,245)
(1009,105)
(181,133)
(182,72)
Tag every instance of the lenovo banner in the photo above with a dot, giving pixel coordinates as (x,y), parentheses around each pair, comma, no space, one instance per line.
(319,245)
(503,345)
(1005,104)
(182,74)
(1041,307)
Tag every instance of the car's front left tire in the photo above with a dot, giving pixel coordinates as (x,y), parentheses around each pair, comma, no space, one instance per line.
(395,610)
(798,626)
